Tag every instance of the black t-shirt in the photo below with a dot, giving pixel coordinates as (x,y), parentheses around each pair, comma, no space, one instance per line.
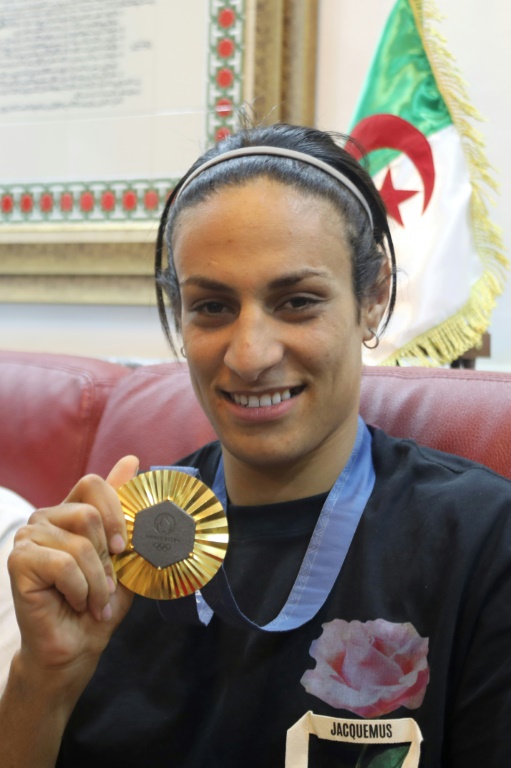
(266,548)
(418,625)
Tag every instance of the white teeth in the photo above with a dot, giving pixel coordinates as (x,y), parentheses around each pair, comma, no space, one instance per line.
(253,401)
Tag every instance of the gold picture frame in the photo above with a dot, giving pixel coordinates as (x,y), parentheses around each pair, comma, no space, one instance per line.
(112,262)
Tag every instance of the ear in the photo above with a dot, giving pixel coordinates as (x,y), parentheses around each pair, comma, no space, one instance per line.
(373,309)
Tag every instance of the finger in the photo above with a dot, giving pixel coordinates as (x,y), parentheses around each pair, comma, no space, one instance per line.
(50,528)
(125,470)
(78,572)
(98,493)
(92,509)
(45,525)
(35,570)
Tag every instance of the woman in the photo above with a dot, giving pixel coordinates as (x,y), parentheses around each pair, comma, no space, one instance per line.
(363,581)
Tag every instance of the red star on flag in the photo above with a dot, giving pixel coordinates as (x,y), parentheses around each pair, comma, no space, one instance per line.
(393,197)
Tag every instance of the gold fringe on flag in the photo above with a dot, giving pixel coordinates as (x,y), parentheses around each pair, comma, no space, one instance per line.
(449,339)
(463,330)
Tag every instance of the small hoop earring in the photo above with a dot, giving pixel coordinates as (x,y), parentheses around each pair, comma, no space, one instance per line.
(376,340)
(183,353)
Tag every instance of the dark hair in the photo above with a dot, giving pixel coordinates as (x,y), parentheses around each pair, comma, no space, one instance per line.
(371,245)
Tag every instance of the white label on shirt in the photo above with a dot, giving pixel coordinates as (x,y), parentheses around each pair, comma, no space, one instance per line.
(403,731)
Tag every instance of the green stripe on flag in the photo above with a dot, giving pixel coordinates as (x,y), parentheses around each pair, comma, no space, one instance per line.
(401,82)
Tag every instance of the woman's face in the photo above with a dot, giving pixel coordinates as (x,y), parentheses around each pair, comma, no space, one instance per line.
(269,322)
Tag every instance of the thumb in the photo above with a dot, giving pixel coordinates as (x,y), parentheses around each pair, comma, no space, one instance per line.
(125,469)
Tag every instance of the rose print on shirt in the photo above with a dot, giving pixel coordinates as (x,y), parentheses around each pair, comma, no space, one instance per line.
(370,668)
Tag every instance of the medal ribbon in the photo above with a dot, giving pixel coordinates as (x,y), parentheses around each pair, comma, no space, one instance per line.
(327,550)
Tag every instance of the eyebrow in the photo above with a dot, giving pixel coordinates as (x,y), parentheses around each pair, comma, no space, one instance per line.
(285,281)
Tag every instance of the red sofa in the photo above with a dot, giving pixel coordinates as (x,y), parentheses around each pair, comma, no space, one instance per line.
(63,416)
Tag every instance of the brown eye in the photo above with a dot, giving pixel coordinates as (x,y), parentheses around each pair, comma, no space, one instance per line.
(300,303)
(211,308)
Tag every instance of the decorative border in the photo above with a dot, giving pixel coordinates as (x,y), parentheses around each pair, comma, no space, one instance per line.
(225,67)
(79,202)
(140,200)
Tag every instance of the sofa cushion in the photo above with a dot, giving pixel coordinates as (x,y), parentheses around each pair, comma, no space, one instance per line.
(459,411)
(153,413)
(50,406)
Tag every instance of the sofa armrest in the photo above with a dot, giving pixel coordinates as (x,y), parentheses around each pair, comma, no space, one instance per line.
(50,407)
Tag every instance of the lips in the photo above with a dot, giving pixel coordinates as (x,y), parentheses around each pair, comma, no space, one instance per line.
(263,399)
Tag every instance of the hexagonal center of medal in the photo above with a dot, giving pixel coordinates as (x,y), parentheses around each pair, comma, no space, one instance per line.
(163,534)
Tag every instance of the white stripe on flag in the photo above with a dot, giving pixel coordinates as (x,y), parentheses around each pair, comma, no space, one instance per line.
(435,251)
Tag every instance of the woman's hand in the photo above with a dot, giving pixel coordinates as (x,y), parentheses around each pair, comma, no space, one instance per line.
(65,593)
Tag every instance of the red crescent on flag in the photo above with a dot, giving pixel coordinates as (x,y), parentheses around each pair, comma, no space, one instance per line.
(392,132)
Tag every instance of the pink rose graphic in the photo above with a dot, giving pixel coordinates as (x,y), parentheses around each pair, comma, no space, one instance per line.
(369,668)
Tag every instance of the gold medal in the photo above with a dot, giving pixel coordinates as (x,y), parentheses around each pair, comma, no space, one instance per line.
(177,534)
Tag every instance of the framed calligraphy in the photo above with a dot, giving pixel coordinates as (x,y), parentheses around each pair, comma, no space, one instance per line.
(104,104)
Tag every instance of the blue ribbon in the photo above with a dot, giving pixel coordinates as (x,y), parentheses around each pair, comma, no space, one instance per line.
(327,550)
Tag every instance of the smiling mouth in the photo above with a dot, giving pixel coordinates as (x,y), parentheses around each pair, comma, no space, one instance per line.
(265,399)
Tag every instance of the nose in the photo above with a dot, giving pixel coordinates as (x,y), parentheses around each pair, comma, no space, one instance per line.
(253,346)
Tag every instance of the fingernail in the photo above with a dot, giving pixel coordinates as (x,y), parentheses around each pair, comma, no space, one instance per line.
(111,584)
(117,544)
(106,613)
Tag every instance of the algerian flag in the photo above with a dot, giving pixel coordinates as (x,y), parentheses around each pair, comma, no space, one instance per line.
(428,162)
